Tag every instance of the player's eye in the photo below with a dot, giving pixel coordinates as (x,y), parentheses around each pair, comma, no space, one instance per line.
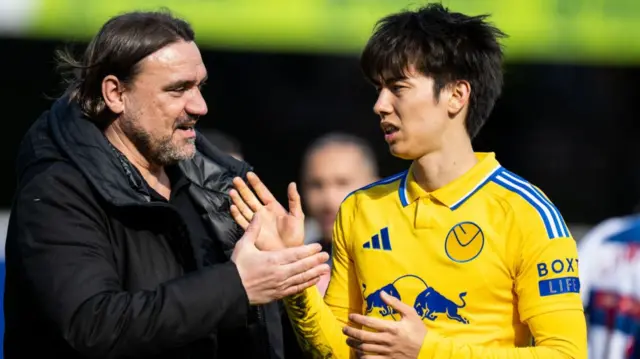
(397,88)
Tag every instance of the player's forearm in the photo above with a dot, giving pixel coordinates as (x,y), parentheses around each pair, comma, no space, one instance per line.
(317,329)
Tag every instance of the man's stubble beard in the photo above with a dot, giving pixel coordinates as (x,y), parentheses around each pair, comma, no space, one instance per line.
(158,151)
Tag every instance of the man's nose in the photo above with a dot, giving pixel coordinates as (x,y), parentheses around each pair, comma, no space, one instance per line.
(197,105)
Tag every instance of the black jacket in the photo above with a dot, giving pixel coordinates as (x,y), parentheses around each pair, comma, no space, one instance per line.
(94,269)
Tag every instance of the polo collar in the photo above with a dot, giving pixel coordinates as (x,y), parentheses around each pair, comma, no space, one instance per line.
(455,193)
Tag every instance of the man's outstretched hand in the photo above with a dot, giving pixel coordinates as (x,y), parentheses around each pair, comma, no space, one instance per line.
(286,228)
(271,275)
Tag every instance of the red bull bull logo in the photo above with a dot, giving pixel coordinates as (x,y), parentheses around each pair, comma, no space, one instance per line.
(428,304)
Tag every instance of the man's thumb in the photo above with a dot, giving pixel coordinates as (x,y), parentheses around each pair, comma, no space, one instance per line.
(253,231)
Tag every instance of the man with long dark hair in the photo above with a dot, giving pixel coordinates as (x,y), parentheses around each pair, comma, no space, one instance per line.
(120,243)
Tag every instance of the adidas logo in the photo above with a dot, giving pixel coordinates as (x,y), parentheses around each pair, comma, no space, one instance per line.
(379,241)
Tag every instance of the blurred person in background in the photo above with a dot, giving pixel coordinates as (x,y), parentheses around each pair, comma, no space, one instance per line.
(225,142)
(120,242)
(334,165)
(610,284)
(456,257)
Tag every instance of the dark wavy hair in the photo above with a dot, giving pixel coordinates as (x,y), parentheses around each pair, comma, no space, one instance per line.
(117,50)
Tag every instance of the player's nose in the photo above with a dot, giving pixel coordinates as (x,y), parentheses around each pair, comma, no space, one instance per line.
(383,107)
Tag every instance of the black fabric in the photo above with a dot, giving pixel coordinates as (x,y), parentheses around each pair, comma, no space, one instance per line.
(96,268)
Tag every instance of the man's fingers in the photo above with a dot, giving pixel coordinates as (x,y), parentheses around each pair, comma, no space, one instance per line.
(397,304)
(295,204)
(294,254)
(246,195)
(241,205)
(291,270)
(300,287)
(261,190)
(373,323)
(304,264)
(314,272)
(370,356)
(238,217)
(253,231)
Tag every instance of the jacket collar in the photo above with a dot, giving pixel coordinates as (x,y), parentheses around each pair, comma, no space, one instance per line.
(64,133)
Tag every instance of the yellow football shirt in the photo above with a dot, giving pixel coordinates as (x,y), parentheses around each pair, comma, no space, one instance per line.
(478,259)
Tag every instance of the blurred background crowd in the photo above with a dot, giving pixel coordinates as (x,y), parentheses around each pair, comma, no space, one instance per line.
(285,93)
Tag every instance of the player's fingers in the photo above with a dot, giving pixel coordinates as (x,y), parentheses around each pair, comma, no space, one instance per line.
(373,323)
(241,205)
(246,194)
(295,204)
(360,335)
(261,190)
(239,218)
(397,304)
(362,349)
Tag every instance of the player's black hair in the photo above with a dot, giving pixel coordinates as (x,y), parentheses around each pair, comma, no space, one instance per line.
(117,49)
(444,45)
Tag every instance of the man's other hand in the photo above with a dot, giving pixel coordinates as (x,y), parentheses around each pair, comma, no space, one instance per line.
(272,275)
(280,228)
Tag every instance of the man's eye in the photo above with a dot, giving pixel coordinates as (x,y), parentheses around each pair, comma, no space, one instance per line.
(178,91)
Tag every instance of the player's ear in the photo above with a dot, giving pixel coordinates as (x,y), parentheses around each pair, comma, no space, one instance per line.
(460,92)
(112,90)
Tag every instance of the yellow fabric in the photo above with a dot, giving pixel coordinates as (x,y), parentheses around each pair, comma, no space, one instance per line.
(560,335)
(486,261)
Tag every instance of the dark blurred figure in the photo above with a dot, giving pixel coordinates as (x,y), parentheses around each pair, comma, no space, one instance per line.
(334,165)
(224,142)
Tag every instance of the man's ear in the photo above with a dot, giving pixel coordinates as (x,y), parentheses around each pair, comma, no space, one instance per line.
(112,90)
(460,92)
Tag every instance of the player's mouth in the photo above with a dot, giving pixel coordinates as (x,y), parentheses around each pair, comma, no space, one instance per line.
(389,130)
